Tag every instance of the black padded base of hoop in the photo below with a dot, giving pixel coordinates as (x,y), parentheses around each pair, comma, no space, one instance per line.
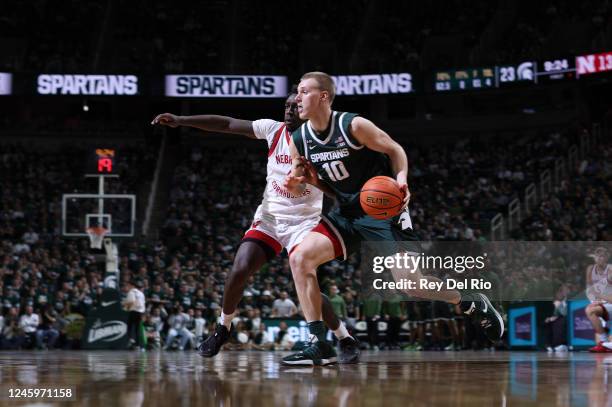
(100,256)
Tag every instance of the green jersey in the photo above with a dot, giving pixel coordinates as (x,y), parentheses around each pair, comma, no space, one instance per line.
(338,305)
(341,162)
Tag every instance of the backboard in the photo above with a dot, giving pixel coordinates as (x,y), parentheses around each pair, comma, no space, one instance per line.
(114,212)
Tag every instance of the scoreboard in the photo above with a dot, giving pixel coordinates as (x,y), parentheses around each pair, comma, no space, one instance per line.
(463,79)
(509,74)
(557,69)
(524,72)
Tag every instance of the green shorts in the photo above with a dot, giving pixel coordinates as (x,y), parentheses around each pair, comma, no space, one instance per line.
(348,233)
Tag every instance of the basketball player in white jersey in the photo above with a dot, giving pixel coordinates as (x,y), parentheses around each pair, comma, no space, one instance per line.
(599,291)
(281,221)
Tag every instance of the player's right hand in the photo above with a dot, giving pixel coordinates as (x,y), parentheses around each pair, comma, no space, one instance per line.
(166,119)
(294,181)
(406,192)
(310,173)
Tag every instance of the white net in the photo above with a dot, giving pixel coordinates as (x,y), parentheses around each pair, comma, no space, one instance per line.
(96,236)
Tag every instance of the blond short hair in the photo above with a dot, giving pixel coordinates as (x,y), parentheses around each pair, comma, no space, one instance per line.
(324,81)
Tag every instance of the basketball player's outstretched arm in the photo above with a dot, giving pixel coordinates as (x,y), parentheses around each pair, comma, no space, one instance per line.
(208,122)
(302,173)
(368,134)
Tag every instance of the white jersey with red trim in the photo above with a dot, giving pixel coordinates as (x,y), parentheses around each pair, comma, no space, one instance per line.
(597,277)
(600,285)
(277,201)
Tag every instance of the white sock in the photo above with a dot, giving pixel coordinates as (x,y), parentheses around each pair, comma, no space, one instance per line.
(227,319)
(341,332)
(602,337)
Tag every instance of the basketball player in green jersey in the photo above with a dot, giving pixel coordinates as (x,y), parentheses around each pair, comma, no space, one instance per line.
(339,152)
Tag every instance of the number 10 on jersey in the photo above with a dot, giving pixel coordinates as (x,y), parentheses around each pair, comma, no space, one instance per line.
(336,170)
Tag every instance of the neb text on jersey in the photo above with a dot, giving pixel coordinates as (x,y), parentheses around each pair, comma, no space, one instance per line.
(283,159)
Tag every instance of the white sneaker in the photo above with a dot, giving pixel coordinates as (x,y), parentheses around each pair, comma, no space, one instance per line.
(561,348)
(549,349)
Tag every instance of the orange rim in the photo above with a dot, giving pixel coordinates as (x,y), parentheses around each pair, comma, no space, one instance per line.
(97,230)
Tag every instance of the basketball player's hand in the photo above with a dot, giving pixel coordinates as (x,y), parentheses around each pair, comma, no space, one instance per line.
(310,174)
(294,184)
(166,119)
(294,181)
(404,188)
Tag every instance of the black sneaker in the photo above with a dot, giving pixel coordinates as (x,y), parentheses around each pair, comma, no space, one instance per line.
(349,350)
(478,305)
(212,345)
(317,353)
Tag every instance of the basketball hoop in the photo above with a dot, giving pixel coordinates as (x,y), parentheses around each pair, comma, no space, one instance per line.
(96,236)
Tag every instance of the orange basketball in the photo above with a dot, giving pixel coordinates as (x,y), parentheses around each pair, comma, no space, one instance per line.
(381,197)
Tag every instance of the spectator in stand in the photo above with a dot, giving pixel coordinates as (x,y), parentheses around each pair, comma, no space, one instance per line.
(28,323)
(394,314)
(266,302)
(554,325)
(152,333)
(47,334)
(178,322)
(11,334)
(66,339)
(263,340)
(352,309)
(199,324)
(240,337)
(371,311)
(337,302)
(282,340)
(283,307)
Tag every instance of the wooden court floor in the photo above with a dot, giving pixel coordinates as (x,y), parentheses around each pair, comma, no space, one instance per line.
(107,378)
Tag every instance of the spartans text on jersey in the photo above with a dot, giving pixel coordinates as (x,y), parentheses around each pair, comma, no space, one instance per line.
(329,155)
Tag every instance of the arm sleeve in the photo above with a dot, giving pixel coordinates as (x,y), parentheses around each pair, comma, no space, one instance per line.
(265,128)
